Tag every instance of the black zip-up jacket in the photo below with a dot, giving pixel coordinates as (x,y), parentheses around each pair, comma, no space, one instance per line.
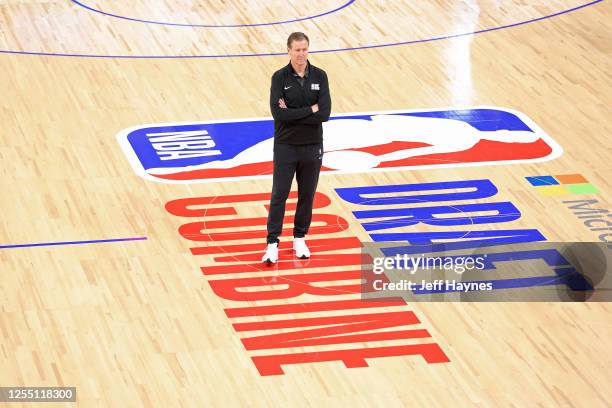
(297,124)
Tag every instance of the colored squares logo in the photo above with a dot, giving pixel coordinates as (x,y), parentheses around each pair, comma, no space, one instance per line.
(564,184)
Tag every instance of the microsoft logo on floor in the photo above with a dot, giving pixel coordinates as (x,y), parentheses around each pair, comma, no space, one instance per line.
(565,184)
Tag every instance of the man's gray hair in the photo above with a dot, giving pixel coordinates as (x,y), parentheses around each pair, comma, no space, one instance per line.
(297,36)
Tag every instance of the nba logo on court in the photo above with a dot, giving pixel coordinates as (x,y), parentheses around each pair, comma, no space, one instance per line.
(365,142)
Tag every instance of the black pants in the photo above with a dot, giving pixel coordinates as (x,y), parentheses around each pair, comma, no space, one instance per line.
(303,161)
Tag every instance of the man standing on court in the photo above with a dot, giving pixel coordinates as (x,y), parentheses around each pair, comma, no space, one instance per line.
(300,103)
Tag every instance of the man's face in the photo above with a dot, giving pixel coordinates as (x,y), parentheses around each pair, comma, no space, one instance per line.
(298,52)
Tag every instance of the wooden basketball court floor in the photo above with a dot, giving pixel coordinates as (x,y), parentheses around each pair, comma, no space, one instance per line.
(99,290)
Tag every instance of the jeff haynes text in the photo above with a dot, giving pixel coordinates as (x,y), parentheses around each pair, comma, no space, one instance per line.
(438,285)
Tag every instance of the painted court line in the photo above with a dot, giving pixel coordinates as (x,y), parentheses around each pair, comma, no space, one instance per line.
(95,241)
(440,38)
(90,8)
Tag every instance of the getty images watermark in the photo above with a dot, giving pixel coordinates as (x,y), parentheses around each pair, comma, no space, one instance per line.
(464,271)
(422,263)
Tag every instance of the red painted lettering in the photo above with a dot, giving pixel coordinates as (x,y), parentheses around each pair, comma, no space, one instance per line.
(272,365)
(293,285)
(333,333)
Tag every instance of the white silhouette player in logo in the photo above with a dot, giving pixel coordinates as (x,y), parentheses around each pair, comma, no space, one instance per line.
(443,136)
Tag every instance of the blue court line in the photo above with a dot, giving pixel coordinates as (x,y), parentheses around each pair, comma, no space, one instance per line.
(446,37)
(78,3)
(96,241)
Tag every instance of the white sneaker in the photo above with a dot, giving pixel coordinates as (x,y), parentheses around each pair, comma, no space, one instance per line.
(271,255)
(300,248)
